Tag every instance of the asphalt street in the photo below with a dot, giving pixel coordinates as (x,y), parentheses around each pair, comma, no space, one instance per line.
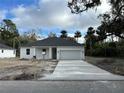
(62,87)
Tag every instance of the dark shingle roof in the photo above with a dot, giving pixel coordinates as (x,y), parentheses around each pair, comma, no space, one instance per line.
(5,46)
(53,41)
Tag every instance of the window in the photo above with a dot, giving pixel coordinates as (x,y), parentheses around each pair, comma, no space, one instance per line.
(28,51)
(44,50)
(2,51)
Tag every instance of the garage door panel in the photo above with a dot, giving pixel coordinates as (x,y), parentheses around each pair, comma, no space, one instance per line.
(70,54)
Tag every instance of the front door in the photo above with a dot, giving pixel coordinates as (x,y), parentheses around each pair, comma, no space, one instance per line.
(54,53)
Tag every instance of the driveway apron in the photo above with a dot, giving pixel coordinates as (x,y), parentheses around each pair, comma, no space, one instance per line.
(80,70)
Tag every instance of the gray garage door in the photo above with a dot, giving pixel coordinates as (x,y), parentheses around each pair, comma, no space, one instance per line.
(70,54)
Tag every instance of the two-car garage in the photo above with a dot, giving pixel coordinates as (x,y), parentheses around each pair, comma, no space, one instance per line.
(71,54)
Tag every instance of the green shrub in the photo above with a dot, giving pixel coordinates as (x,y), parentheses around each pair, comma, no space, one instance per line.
(112,49)
(120,51)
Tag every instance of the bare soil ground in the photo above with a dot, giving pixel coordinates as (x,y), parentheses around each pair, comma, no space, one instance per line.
(113,65)
(16,69)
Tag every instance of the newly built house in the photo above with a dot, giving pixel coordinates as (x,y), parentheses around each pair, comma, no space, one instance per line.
(53,48)
(6,51)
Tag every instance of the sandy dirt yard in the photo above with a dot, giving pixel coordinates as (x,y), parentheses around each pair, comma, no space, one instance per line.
(16,69)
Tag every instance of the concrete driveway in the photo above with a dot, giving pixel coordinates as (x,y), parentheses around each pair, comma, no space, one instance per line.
(80,70)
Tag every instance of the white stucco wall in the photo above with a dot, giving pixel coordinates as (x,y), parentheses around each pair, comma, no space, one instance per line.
(7,53)
(39,54)
(24,55)
(79,49)
(50,53)
(34,52)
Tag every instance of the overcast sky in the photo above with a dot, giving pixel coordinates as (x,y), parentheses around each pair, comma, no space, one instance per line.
(49,16)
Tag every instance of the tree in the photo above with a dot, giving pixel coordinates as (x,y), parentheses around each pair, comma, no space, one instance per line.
(101,33)
(91,38)
(78,6)
(112,26)
(8,25)
(27,37)
(77,35)
(9,32)
(64,34)
(112,23)
(33,35)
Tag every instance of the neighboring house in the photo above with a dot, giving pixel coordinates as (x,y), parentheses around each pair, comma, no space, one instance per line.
(53,48)
(6,51)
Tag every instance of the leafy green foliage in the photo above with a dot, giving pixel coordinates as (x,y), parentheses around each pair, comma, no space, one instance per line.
(64,34)
(108,49)
(77,35)
(9,33)
(78,6)
(90,38)
(112,23)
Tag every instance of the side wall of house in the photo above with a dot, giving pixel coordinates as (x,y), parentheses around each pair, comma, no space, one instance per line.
(23,54)
(6,53)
